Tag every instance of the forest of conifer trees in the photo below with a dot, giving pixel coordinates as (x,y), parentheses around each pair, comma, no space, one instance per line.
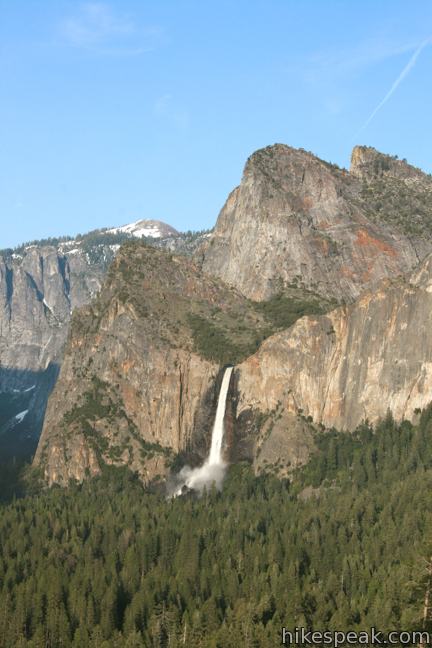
(342,545)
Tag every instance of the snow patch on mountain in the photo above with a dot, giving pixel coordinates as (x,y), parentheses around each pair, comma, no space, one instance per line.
(21,416)
(146,228)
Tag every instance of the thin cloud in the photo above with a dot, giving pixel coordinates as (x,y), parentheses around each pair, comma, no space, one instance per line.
(96,27)
(95,23)
(406,70)
(335,65)
(330,73)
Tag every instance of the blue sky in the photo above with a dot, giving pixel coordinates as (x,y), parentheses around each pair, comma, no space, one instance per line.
(115,111)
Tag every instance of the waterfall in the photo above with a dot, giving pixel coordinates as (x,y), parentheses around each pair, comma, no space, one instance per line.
(213,469)
(215,456)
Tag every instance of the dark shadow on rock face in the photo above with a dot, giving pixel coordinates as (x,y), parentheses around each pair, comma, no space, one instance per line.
(204,420)
(241,430)
(198,447)
(23,401)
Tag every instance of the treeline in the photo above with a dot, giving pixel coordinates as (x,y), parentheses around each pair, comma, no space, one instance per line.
(94,238)
(343,546)
(55,241)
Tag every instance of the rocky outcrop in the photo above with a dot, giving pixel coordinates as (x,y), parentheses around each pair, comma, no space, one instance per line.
(395,193)
(139,414)
(368,164)
(296,219)
(39,288)
(133,390)
(355,363)
(40,285)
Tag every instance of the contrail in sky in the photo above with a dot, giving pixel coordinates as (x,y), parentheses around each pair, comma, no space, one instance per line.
(398,81)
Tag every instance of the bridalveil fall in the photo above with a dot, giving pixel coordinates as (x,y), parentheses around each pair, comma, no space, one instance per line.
(213,469)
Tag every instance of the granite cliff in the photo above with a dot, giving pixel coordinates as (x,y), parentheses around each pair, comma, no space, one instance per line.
(139,379)
(295,219)
(138,385)
(41,283)
(39,287)
(354,363)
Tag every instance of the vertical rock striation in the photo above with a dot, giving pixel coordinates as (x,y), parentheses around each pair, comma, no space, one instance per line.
(355,363)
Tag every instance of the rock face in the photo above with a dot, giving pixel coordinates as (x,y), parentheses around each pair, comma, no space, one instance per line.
(369,164)
(38,290)
(144,360)
(297,219)
(132,388)
(40,286)
(355,363)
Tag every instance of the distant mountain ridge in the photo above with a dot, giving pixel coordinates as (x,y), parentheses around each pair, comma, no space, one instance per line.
(144,228)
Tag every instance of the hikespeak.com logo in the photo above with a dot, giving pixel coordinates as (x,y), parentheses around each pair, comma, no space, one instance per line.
(371,637)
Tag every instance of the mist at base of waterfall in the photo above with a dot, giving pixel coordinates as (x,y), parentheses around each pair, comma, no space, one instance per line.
(197,479)
(212,472)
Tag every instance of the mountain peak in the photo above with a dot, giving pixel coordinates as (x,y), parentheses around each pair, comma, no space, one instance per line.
(367,163)
(277,157)
(146,228)
(295,217)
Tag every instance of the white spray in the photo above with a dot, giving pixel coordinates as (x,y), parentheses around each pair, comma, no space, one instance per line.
(213,470)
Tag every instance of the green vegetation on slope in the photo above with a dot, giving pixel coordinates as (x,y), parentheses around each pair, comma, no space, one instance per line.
(185,308)
(223,344)
(102,404)
(343,546)
(283,310)
(232,339)
(55,241)
(179,306)
(404,206)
